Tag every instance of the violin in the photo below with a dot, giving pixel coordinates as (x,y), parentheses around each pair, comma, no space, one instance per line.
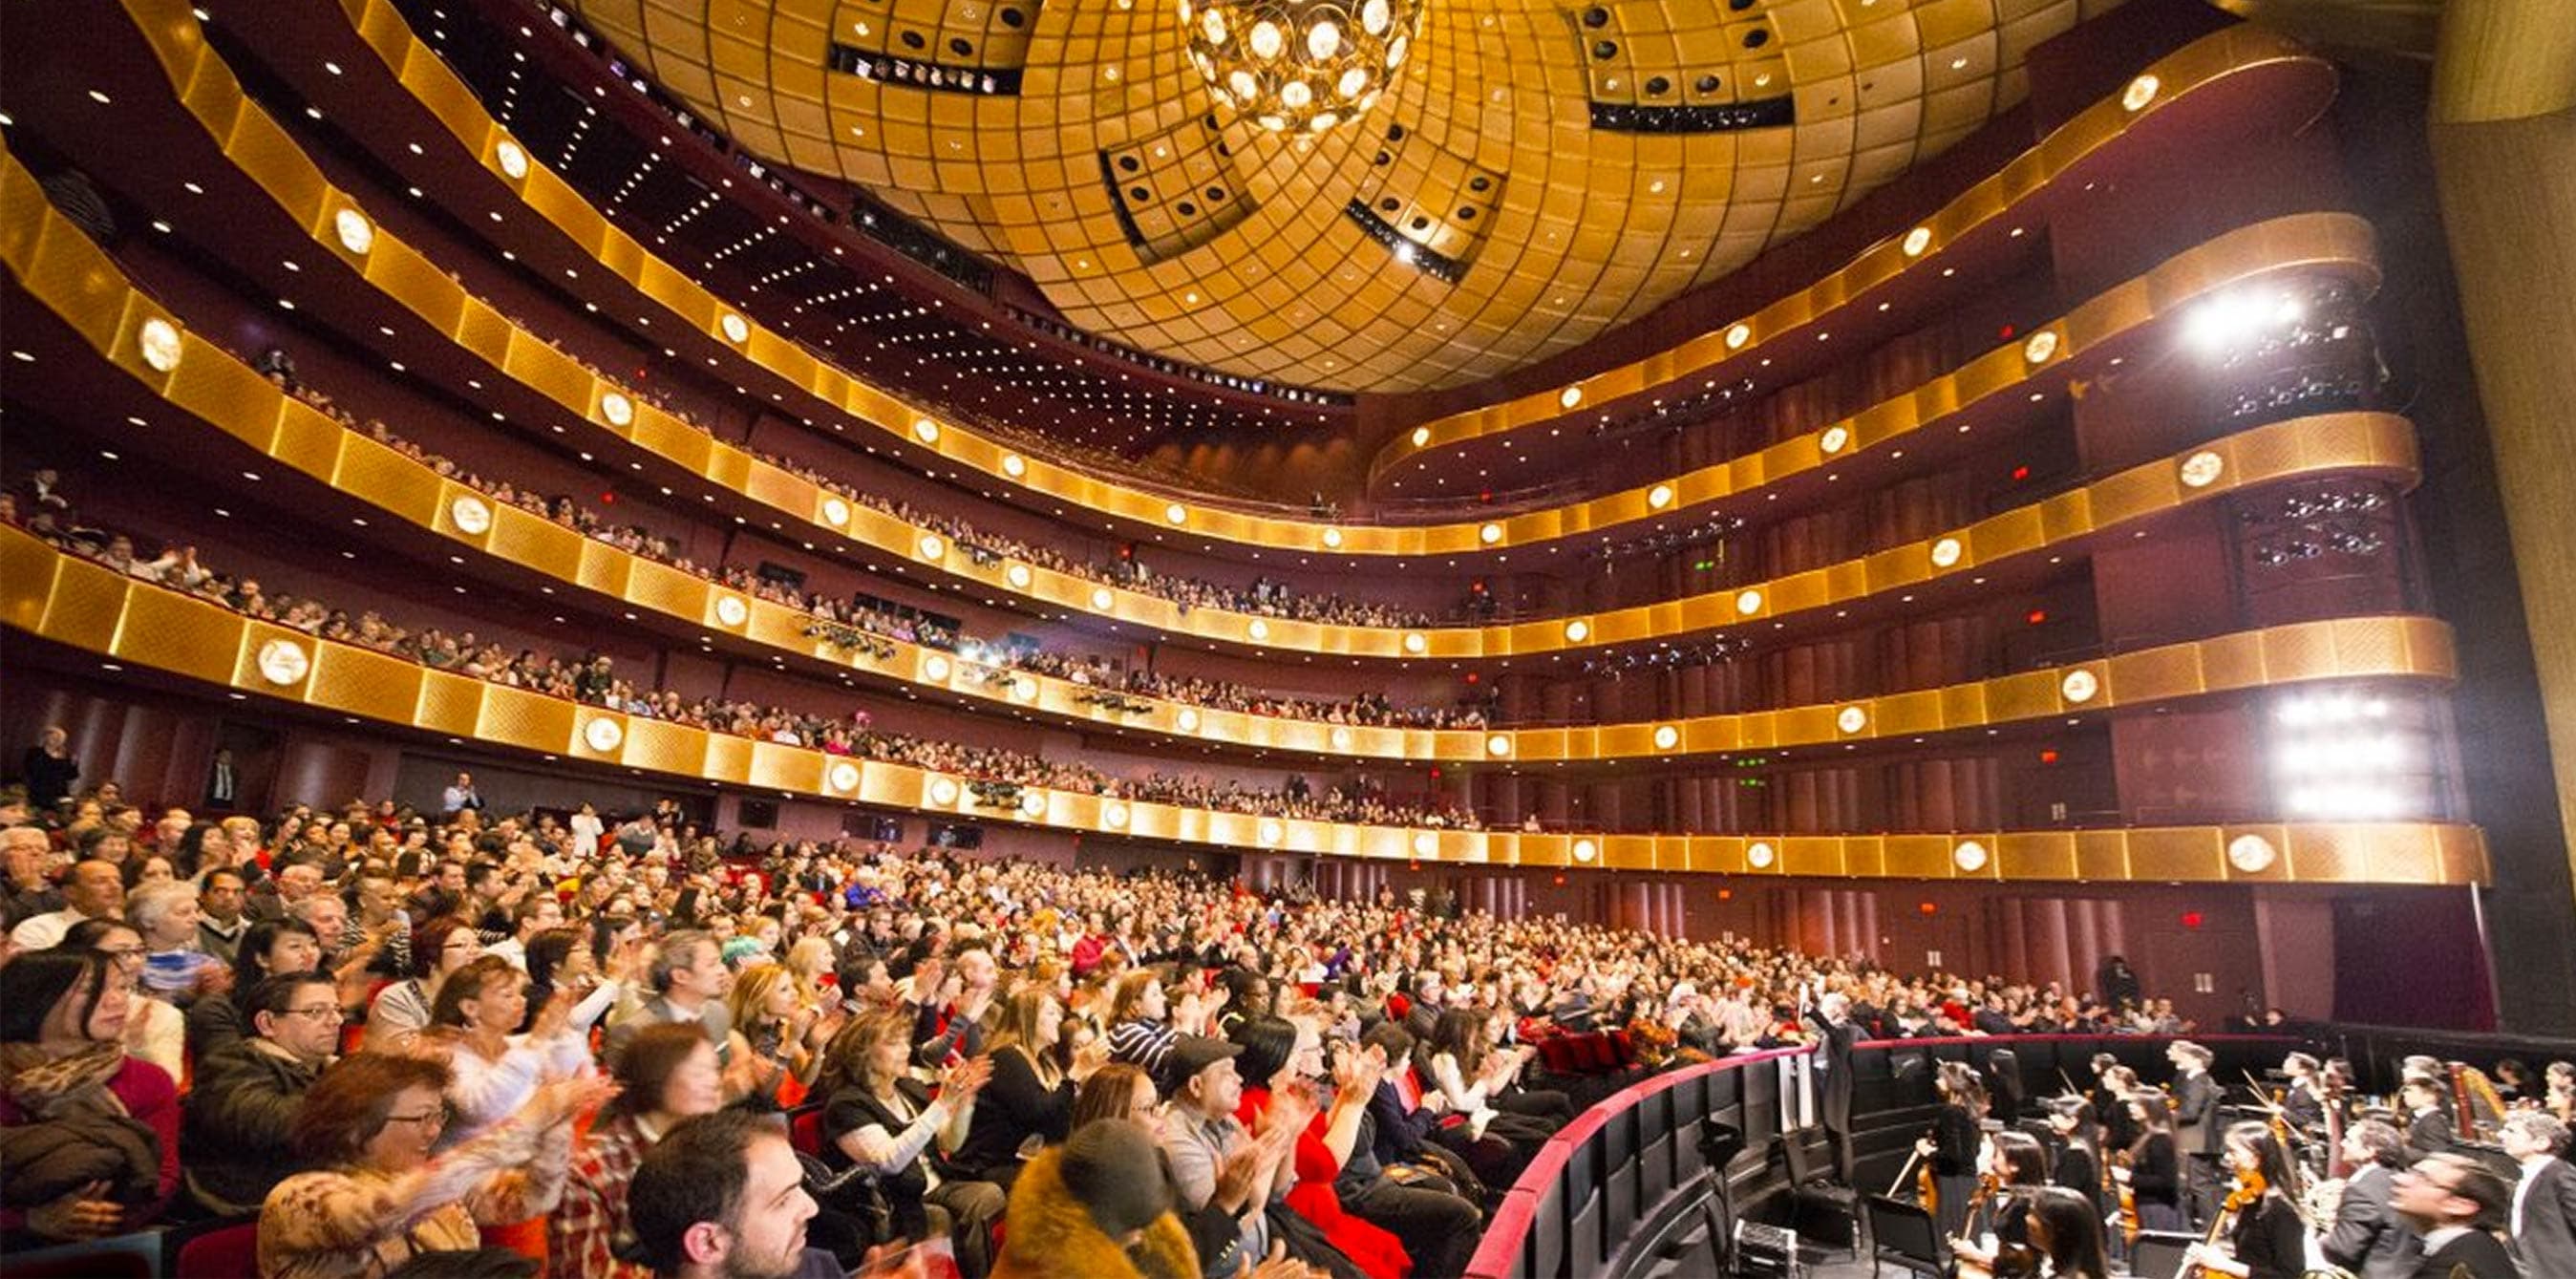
(2248,1192)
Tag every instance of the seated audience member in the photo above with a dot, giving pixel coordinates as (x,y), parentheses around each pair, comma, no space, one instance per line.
(782,1028)
(722,1196)
(89,1134)
(175,969)
(1287,1055)
(220,921)
(241,1112)
(402,1010)
(562,958)
(1208,1146)
(154,1031)
(2457,1204)
(377,1195)
(494,1070)
(1029,1099)
(667,1074)
(689,982)
(269,948)
(879,1131)
(1140,1022)
(94,890)
(1100,1206)
(28,892)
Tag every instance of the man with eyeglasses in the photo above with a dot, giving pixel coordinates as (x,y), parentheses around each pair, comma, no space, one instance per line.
(247,1093)
(2457,1203)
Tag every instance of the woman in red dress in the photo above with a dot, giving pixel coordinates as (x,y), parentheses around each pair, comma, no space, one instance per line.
(1281,1052)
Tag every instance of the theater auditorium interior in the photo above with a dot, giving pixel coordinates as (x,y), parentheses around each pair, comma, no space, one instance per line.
(1287,639)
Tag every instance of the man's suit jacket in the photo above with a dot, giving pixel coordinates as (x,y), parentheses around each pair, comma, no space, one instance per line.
(2477,1254)
(1835,1060)
(2545,1242)
(2196,1114)
(2369,1238)
(2429,1134)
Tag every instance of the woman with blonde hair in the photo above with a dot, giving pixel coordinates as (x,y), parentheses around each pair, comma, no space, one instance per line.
(1029,1102)
(777,1022)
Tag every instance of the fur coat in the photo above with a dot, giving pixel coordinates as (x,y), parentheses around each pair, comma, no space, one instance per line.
(1048,1234)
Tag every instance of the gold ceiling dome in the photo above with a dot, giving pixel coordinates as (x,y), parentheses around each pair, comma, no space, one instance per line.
(1530,176)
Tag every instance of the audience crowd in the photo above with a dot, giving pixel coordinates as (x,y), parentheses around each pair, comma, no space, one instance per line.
(592,678)
(393,1032)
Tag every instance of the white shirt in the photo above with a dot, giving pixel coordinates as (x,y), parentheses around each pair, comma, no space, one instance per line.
(44,932)
(586,830)
(2531,1166)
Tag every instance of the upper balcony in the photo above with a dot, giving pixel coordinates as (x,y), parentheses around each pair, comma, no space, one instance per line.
(2233,81)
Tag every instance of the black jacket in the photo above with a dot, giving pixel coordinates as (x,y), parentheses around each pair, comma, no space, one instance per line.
(2196,1126)
(2368,1238)
(237,1116)
(2270,1240)
(2478,1254)
(2545,1240)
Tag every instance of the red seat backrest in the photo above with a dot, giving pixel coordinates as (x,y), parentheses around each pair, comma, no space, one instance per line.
(805,1131)
(223,1253)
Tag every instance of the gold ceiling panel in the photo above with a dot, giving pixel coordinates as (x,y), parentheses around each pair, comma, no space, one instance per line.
(1177,189)
(989,132)
(45,585)
(2204,62)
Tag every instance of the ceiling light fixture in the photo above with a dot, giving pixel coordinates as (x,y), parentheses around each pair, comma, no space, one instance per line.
(1299,66)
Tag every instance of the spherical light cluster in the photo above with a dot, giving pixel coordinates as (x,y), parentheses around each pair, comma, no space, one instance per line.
(1300,66)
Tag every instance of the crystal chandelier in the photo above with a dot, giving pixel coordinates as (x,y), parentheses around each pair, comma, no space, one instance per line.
(1300,66)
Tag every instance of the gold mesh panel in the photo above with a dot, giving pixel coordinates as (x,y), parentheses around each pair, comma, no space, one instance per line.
(450,704)
(1177,189)
(180,634)
(531,720)
(364,684)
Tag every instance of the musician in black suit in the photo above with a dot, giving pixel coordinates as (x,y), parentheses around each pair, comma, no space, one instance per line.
(2428,1125)
(2543,1220)
(2456,1202)
(1836,1035)
(2367,1237)
(2196,1125)
(2303,1104)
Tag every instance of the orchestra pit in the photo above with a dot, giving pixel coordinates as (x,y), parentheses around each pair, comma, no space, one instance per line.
(1287,639)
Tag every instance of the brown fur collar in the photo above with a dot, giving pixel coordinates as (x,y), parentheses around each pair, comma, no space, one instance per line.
(1048,1234)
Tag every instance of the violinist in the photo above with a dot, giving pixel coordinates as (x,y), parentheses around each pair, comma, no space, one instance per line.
(2066,1234)
(2112,1084)
(2303,1105)
(2009,1165)
(2366,1236)
(2078,1165)
(1950,1147)
(2263,1236)
(2154,1172)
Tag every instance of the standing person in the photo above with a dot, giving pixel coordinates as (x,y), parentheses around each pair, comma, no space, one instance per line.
(586,830)
(2454,1200)
(402,1010)
(1836,1035)
(378,1196)
(1030,1095)
(2067,1234)
(1953,1143)
(49,768)
(2367,1236)
(689,982)
(2543,1223)
(1202,1137)
(2267,1241)
(459,796)
(2154,1174)
(223,783)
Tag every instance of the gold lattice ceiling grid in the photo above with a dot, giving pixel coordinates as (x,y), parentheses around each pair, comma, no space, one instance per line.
(1073,141)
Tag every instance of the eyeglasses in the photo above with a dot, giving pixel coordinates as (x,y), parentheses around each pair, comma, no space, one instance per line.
(328,1012)
(431,1118)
